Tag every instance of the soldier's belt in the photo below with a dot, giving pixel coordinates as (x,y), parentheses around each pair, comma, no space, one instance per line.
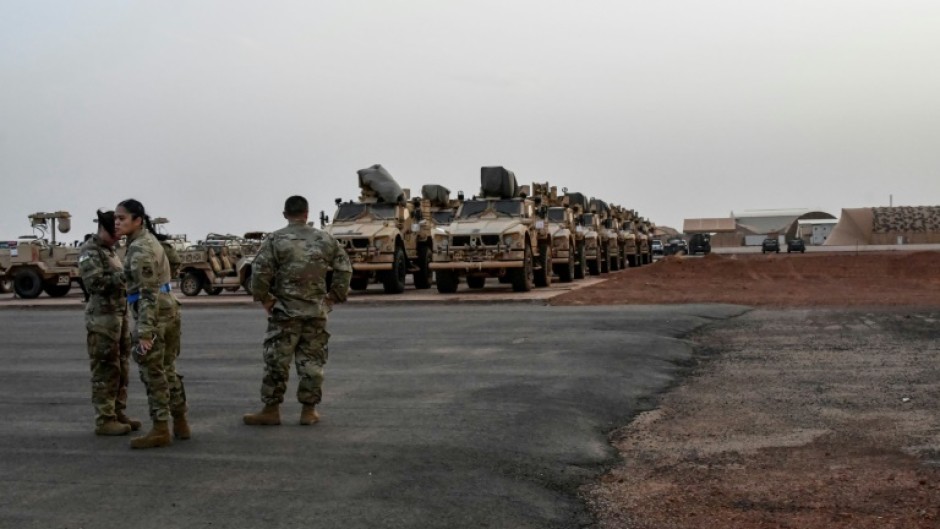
(134,297)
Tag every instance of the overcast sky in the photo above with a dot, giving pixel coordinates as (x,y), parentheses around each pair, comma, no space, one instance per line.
(213,112)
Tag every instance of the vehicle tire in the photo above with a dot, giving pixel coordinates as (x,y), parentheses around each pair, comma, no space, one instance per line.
(446,281)
(605,261)
(593,268)
(615,262)
(504,279)
(566,271)
(359,283)
(424,275)
(191,283)
(246,283)
(580,266)
(543,277)
(394,280)
(476,282)
(56,291)
(214,291)
(523,279)
(27,283)
(631,261)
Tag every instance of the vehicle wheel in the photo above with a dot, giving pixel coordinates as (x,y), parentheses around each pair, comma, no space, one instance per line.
(580,266)
(246,283)
(566,271)
(593,268)
(504,279)
(631,261)
(543,277)
(803,251)
(394,279)
(423,276)
(214,291)
(191,283)
(56,291)
(446,281)
(359,283)
(523,279)
(476,281)
(615,262)
(605,261)
(27,284)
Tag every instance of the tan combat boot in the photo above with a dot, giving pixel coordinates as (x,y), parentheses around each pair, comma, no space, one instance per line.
(112,427)
(181,427)
(158,436)
(309,415)
(269,416)
(124,419)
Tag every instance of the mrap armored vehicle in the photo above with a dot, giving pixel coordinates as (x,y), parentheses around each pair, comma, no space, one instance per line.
(385,235)
(500,234)
(36,264)
(567,246)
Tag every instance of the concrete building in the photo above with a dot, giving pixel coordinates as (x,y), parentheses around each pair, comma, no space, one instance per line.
(752,226)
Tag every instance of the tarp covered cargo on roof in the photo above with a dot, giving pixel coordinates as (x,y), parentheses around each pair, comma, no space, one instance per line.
(378,180)
(438,195)
(497,181)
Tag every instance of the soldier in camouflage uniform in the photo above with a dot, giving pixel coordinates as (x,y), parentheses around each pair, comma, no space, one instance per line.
(147,272)
(173,336)
(289,278)
(106,321)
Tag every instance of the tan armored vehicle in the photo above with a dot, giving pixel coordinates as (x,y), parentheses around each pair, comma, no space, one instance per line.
(35,264)
(216,263)
(586,234)
(625,236)
(382,235)
(500,234)
(608,238)
(643,240)
(567,252)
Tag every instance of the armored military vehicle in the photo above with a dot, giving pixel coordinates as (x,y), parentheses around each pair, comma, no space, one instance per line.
(608,237)
(382,234)
(219,262)
(36,264)
(586,235)
(501,233)
(644,237)
(566,258)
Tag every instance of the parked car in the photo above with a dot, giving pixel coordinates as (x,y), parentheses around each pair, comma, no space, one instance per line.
(796,245)
(700,243)
(676,247)
(657,247)
(770,245)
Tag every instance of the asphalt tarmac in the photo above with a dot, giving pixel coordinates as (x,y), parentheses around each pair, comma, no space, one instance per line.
(433,416)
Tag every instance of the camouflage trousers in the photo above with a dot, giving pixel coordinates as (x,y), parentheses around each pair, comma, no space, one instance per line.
(109,345)
(166,396)
(304,340)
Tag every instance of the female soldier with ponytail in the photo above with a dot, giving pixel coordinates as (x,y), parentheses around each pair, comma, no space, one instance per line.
(154,308)
(107,326)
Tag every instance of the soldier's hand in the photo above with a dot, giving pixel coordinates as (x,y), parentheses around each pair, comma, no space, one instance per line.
(269,306)
(145,346)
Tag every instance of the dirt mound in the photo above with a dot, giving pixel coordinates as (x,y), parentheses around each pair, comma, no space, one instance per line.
(774,280)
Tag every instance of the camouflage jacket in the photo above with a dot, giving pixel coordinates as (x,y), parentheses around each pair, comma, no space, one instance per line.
(147,270)
(102,277)
(291,269)
(172,257)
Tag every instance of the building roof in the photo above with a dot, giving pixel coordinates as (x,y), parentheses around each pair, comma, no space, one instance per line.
(713,225)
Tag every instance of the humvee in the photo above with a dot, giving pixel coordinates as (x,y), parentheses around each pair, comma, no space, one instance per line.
(501,233)
(567,243)
(35,264)
(383,233)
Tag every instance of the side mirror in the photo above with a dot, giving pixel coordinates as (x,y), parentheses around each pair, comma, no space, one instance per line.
(460,196)
(324,219)
(338,201)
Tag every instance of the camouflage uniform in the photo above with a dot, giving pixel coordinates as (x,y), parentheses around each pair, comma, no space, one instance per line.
(291,270)
(106,321)
(174,328)
(154,308)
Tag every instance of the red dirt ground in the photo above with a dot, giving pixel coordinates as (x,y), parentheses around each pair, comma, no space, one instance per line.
(776,280)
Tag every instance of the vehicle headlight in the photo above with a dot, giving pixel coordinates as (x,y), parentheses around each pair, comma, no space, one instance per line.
(511,240)
(384,244)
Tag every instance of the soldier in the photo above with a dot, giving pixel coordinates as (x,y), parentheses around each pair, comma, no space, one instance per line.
(106,321)
(154,307)
(174,331)
(288,277)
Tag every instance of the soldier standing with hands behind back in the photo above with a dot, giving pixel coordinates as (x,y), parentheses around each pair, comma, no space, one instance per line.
(288,277)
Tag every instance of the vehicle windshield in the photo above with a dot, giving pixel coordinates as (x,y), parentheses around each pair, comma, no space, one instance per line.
(588,219)
(353,210)
(556,214)
(443,217)
(472,208)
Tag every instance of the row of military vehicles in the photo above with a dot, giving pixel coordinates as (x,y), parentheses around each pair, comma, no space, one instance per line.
(525,236)
(521,235)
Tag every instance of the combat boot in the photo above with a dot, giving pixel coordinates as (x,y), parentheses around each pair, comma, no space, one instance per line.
(158,436)
(181,427)
(134,423)
(112,427)
(269,416)
(309,415)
